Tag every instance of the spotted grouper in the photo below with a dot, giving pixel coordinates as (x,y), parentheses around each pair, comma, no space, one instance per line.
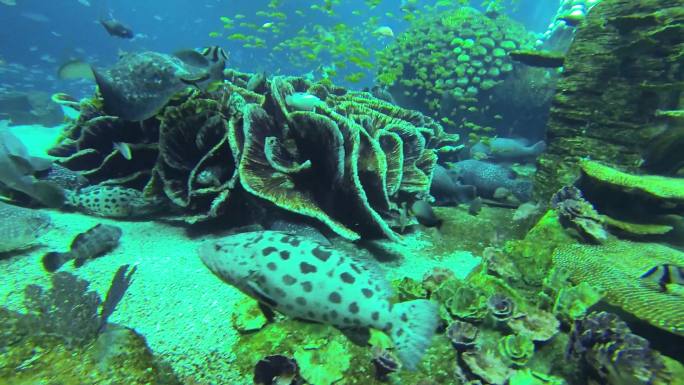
(112,201)
(305,279)
(20,227)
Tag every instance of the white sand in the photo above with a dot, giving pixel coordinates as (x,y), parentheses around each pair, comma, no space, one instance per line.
(182,309)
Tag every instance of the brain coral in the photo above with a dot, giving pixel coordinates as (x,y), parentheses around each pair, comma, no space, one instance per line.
(348,161)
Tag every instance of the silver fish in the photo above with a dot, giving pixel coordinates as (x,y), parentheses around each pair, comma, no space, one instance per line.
(305,279)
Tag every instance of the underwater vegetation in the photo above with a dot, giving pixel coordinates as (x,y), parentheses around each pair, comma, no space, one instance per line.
(305,147)
(303,195)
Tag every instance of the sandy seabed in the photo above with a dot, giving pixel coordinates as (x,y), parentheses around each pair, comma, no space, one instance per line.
(181,308)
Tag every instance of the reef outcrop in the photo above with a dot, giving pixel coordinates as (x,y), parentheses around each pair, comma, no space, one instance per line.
(622,70)
(344,158)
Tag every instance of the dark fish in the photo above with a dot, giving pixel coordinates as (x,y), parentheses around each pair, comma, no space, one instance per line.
(544,59)
(192,57)
(91,244)
(117,28)
(140,84)
(665,274)
(214,54)
(425,215)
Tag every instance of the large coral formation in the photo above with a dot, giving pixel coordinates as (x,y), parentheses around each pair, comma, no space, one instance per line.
(348,147)
(449,64)
(622,67)
(615,268)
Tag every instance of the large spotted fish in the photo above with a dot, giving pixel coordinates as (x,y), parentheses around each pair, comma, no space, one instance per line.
(305,279)
(112,201)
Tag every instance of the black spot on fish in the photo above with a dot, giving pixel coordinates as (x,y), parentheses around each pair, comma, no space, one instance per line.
(333,314)
(268,251)
(367,292)
(347,278)
(271,266)
(285,255)
(301,301)
(400,332)
(261,279)
(375,315)
(307,286)
(217,247)
(388,326)
(356,322)
(404,317)
(280,292)
(306,268)
(355,268)
(321,253)
(335,297)
(353,307)
(289,280)
(311,314)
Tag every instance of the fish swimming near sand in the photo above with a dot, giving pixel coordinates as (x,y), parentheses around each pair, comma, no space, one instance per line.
(91,244)
(116,28)
(508,149)
(112,201)
(305,279)
(664,275)
(20,227)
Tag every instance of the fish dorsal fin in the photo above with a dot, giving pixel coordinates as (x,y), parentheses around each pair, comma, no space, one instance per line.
(80,238)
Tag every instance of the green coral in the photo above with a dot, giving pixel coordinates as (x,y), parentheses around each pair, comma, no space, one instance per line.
(516,349)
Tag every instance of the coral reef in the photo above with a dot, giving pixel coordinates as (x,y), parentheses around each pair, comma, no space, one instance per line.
(619,357)
(621,69)
(615,269)
(448,64)
(209,146)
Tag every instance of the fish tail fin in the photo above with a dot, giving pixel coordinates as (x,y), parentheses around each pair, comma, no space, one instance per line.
(52,261)
(418,321)
(539,147)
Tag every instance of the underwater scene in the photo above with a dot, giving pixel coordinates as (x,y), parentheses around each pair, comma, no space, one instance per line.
(347,192)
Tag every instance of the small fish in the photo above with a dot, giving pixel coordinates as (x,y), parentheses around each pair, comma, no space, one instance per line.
(425,215)
(305,279)
(116,28)
(665,274)
(124,149)
(384,31)
(112,201)
(214,54)
(91,244)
